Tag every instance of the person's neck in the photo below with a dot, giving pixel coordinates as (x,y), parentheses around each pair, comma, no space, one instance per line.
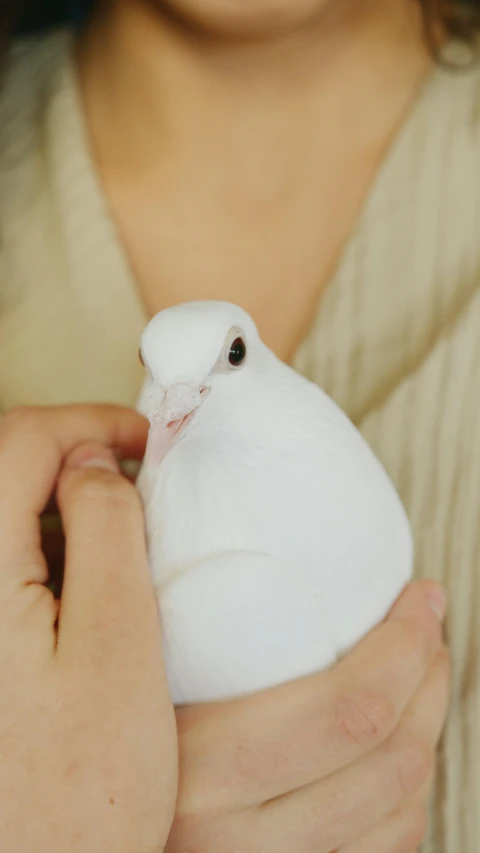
(152,84)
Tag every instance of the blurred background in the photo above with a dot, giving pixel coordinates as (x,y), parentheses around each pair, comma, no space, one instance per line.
(35,15)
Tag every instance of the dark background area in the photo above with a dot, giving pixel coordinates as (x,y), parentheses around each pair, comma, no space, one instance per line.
(36,15)
(461,17)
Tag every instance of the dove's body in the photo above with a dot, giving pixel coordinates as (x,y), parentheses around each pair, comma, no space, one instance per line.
(276,538)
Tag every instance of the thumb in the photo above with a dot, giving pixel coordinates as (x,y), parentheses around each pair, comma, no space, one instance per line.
(108,601)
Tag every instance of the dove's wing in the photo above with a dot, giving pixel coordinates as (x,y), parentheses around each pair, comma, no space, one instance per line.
(237,623)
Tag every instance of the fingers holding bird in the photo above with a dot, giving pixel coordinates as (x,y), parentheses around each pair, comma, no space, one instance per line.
(377,791)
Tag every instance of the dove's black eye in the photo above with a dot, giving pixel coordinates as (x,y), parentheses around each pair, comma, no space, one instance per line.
(237,352)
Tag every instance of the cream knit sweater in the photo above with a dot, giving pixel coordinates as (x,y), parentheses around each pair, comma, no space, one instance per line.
(396,340)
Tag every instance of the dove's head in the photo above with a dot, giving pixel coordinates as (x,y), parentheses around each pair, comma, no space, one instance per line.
(189,351)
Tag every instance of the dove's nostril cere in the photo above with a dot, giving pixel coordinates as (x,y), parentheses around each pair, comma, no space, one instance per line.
(171,412)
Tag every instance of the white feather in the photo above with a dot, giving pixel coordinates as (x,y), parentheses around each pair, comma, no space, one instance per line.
(276,538)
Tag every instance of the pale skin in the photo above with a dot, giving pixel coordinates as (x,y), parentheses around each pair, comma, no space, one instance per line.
(342,759)
(235,142)
(235,169)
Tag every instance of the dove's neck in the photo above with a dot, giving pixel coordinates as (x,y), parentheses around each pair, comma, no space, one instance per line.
(242,413)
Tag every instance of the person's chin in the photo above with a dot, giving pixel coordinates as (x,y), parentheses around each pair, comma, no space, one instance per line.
(245,18)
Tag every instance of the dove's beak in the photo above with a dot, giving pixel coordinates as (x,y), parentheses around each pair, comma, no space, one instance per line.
(170,411)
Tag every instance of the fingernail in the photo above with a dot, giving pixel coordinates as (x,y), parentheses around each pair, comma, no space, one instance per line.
(93,457)
(437,599)
(97,462)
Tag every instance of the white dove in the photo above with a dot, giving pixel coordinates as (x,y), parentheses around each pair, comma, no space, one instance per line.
(276,539)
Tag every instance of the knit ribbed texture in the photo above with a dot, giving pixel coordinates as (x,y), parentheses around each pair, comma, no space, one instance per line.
(397,343)
(396,339)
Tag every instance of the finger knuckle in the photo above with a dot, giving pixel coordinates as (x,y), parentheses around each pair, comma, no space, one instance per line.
(413,764)
(365,718)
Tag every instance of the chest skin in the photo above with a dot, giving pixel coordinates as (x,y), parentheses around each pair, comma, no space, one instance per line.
(256,203)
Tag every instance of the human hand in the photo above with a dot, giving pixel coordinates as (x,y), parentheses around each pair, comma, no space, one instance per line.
(87,731)
(341,760)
